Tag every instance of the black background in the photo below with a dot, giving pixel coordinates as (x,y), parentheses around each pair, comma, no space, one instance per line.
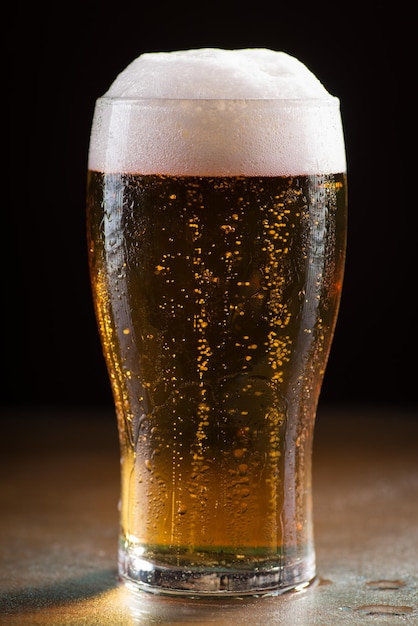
(62,57)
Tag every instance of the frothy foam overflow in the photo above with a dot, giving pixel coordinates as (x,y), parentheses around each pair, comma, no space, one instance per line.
(213,112)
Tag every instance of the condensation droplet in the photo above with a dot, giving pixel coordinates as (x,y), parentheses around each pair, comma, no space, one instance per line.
(384,609)
(385,584)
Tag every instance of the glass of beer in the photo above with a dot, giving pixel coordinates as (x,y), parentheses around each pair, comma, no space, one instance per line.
(216,209)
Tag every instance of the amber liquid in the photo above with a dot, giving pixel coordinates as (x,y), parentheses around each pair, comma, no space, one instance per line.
(216,300)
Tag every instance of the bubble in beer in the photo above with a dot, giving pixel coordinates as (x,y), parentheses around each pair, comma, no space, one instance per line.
(243,112)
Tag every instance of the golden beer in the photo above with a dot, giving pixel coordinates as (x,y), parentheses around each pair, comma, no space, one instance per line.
(216,299)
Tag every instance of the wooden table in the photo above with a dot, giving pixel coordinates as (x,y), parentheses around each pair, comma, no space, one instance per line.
(59,488)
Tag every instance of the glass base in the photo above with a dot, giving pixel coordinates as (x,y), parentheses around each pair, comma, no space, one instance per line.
(140,574)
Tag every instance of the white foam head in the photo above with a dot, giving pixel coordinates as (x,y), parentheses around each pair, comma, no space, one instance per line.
(217,112)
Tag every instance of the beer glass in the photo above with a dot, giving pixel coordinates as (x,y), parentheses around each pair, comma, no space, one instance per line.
(216,281)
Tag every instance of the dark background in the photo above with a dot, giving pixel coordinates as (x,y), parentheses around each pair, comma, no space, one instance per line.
(63,56)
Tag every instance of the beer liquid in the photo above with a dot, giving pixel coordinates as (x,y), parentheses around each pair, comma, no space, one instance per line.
(216,300)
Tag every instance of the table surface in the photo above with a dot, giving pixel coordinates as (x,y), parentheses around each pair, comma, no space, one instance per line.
(59,489)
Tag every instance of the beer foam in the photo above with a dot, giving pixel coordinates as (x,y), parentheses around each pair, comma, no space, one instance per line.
(217,112)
